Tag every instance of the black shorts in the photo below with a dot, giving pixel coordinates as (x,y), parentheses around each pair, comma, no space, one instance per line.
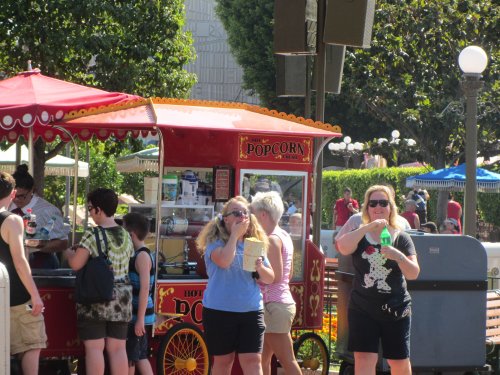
(227,332)
(365,333)
(137,346)
(95,329)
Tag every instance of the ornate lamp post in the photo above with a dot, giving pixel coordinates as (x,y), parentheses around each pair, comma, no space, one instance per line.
(392,148)
(472,61)
(346,149)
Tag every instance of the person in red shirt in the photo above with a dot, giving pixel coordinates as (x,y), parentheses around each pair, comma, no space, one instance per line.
(455,211)
(344,208)
(410,214)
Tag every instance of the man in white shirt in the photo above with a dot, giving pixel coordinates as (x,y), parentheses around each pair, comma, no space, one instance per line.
(25,199)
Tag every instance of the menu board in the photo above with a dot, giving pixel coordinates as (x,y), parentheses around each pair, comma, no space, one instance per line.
(223,183)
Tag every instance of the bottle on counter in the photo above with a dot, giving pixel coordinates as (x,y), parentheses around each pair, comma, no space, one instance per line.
(27,217)
(45,231)
(31,227)
(385,237)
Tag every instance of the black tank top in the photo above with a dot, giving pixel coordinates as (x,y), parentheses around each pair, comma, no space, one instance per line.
(18,293)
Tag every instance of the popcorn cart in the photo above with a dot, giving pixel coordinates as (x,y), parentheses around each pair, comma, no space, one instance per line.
(216,151)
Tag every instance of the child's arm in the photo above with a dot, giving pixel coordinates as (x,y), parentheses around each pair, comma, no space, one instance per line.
(143,266)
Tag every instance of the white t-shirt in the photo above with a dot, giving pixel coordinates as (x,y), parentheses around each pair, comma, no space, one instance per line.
(44,211)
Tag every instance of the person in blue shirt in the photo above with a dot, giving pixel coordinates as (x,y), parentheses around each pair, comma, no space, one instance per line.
(141,275)
(233,317)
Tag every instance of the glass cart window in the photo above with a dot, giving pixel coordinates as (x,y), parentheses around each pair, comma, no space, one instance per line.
(291,187)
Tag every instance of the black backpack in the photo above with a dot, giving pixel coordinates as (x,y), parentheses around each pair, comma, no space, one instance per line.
(420,200)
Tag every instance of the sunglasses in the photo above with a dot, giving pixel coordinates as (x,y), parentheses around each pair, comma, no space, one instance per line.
(237,213)
(381,202)
(90,207)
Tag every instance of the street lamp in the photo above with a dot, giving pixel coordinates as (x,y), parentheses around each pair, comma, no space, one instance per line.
(472,61)
(394,146)
(346,149)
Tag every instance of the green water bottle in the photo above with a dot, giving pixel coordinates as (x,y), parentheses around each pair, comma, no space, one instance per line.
(385,237)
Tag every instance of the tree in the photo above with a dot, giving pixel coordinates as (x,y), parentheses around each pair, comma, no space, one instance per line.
(404,81)
(138,47)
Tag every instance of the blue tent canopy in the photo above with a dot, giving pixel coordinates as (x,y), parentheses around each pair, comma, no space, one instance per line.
(453,179)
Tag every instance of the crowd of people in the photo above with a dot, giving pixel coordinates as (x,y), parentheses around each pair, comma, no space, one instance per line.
(245,314)
(346,216)
(119,327)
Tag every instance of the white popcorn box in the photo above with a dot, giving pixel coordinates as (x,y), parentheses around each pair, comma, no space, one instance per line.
(253,249)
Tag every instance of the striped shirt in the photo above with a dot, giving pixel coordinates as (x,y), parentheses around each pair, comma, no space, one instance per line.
(280,291)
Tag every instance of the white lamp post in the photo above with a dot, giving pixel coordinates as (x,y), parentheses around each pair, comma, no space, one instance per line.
(472,61)
(346,149)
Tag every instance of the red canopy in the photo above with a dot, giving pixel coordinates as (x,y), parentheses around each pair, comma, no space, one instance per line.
(199,115)
(31,99)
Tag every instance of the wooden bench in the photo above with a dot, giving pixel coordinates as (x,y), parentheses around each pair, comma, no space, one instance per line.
(493,329)
(330,287)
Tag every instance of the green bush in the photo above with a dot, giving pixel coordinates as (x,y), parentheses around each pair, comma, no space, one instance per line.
(359,180)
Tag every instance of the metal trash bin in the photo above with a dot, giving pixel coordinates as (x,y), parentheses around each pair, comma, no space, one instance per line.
(448,306)
(4,321)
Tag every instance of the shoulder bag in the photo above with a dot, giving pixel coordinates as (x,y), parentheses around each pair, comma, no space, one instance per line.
(95,281)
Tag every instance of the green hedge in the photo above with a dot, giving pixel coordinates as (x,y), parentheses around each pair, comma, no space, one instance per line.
(359,180)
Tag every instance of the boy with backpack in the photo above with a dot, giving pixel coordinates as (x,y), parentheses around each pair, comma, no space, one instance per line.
(142,276)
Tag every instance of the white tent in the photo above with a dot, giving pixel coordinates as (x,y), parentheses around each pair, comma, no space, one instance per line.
(57,166)
(142,161)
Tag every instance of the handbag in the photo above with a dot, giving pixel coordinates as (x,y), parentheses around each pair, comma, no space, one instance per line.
(95,281)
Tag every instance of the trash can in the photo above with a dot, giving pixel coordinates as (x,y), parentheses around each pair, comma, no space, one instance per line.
(4,321)
(448,305)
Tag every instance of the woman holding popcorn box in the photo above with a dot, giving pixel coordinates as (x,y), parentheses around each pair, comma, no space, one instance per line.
(233,317)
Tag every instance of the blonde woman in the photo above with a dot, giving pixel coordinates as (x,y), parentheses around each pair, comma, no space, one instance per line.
(233,317)
(379,307)
(279,306)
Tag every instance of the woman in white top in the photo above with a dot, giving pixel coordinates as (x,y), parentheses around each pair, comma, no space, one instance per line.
(279,306)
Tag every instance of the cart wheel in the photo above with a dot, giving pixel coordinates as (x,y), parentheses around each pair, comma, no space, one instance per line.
(346,368)
(183,351)
(311,354)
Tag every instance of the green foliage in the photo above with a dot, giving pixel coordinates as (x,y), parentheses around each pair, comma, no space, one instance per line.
(139,46)
(489,204)
(359,180)
(404,81)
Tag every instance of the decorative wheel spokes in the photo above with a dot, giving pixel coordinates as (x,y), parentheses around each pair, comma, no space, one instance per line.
(184,351)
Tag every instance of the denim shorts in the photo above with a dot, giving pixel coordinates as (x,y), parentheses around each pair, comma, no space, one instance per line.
(365,333)
(227,332)
(137,346)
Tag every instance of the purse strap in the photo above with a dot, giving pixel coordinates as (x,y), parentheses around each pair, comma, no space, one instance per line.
(98,241)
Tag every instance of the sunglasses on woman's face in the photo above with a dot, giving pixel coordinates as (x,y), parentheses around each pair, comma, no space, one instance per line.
(237,213)
(381,202)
